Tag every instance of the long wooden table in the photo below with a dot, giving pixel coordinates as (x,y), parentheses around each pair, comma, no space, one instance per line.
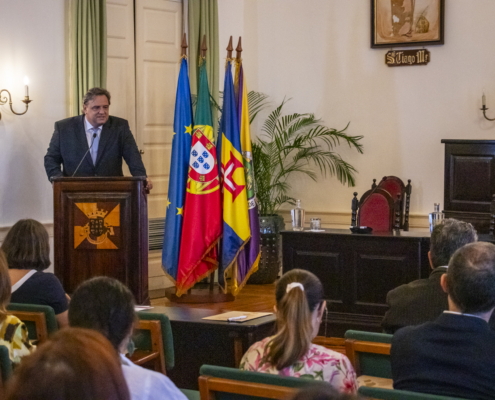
(357,271)
(198,341)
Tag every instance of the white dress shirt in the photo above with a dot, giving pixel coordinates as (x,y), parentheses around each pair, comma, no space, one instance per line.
(89,133)
(145,384)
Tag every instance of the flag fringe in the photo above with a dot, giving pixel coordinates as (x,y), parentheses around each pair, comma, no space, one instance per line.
(229,267)
(167,275)
(253,269)
(181,289)
(232,60)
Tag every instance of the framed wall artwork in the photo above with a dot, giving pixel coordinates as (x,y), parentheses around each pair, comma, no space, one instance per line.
(396,23)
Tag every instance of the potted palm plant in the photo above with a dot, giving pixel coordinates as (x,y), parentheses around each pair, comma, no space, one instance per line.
(288,145)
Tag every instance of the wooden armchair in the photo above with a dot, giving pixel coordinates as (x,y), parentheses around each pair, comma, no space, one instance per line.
(389,394)
(222,383)
(5,367)
(375,209)
(372,209)
(369,353)
(396,187)
(154,342)
(39,320)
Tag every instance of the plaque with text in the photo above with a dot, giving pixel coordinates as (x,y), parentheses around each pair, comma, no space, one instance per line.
(400,58)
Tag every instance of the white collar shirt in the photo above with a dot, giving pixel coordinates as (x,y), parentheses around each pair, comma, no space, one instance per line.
(145,384)
(89,131)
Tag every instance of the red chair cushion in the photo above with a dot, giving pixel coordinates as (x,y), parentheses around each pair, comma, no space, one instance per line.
(375,212)
(392,186)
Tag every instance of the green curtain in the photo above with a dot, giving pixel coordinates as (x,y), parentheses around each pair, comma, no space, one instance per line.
(203,20)
(87,49)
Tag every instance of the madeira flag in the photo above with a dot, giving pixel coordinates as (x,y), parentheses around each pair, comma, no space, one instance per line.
(202,227)
(179,165)
(249,257)
(236,231)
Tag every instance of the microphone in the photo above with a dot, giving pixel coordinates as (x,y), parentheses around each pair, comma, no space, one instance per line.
(85,154)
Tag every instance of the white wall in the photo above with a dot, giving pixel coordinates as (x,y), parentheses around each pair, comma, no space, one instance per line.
(318,53)
(32,44)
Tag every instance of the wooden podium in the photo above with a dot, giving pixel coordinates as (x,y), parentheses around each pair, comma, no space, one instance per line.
(101,228)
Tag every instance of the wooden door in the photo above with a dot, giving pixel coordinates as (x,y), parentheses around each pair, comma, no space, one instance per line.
(121,72)
(158,40)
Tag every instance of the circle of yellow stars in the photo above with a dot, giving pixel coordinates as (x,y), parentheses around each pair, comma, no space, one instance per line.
(180,211)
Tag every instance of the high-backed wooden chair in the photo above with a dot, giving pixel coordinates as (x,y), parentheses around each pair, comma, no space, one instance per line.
(388,394)
(222,383)
(376,210)
(39,320)
(397,189)
(154,342)
(369,353)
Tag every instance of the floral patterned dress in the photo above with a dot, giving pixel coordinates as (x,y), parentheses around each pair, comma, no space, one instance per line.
(319,363)
(14,336)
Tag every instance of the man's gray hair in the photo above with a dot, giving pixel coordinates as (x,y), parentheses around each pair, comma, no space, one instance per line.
(447,237)
(94,92)
(471,278)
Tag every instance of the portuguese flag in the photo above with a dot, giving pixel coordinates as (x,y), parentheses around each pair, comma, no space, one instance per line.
(202,225)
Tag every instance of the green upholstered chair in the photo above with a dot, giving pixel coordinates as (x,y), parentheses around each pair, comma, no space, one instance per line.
(191,394)
(39,320)
(369,353)
(154,341)
(5,363)
(388,394)
(222,383)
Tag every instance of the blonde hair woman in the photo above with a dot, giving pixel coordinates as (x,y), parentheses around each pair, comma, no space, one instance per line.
(299,310)
(13,333)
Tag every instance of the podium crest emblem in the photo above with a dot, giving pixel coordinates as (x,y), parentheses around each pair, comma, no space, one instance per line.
(97,225)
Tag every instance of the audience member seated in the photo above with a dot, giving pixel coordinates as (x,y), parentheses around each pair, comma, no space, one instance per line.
(424,300)
(13,333)
(299,309)
(455,354)
(107,306)
(28,254)
(75,364)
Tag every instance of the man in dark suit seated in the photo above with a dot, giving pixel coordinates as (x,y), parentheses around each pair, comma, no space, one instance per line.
(455,354)
(93,144)
(424,300)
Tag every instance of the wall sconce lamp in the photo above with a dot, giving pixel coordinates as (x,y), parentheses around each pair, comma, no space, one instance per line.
(3,100)
(484,108)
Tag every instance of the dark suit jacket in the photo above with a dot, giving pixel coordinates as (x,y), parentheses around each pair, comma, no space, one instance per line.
(451,356)
(69,144)
(416,302)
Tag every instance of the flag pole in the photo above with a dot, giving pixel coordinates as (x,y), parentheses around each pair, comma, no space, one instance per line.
(238,50)
(184,46)
(230,48)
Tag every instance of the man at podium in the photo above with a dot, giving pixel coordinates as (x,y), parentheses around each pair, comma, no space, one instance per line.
(93,144)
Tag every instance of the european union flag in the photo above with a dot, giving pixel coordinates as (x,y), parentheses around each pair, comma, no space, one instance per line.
(179,166)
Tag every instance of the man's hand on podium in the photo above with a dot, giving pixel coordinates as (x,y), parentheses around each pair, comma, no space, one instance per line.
(149,184)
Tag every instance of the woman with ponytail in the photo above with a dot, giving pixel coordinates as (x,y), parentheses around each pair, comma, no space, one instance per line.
(300,307)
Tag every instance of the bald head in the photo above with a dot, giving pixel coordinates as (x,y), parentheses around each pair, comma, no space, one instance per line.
(471,278)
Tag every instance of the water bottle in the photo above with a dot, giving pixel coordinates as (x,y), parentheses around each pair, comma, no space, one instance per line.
(436,217)
(297,217)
